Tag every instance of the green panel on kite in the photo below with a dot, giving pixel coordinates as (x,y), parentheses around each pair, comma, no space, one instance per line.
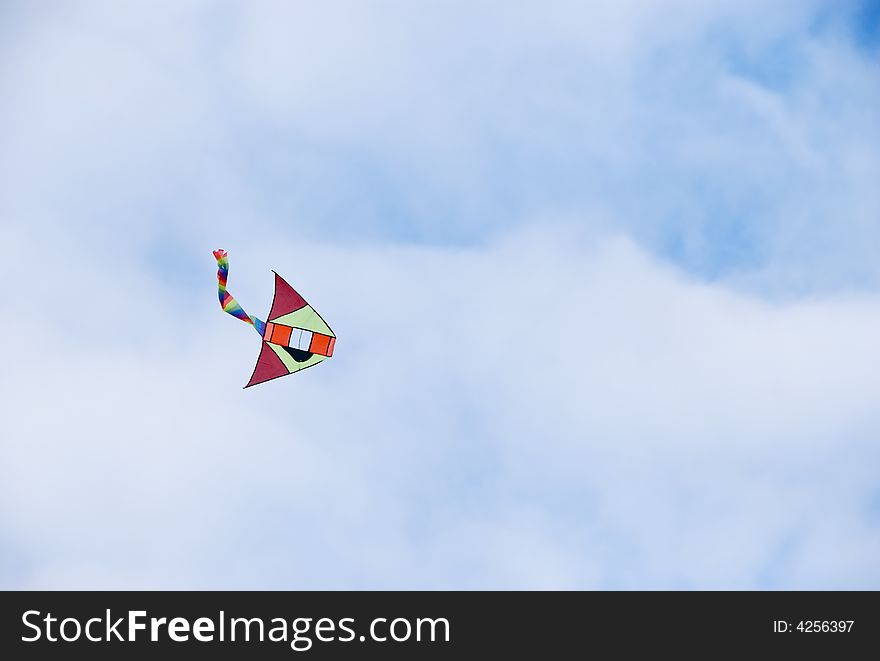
(305,318)
(290,363)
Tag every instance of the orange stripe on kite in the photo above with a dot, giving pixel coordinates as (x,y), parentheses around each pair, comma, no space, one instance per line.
(300,338)
(281,335)
(320,344)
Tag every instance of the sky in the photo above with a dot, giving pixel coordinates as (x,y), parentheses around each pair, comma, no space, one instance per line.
(605,278)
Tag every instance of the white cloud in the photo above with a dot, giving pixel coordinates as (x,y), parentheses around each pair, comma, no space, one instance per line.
(538,413)
(735,137)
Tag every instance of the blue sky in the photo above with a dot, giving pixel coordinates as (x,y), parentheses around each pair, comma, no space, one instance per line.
(605,280)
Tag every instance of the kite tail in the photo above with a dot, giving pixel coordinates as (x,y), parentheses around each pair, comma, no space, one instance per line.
(227,302)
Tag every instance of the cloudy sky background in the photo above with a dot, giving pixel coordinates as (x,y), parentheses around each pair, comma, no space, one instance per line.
(605,276)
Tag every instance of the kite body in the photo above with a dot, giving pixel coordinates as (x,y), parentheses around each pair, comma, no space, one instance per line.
(294,336)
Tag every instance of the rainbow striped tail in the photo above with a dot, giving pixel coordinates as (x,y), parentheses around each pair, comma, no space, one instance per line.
(227,302)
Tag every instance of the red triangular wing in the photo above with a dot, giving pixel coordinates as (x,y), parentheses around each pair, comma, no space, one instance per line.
(286,299)
(269,366)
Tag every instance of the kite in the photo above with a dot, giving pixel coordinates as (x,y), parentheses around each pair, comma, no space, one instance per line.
(294,336)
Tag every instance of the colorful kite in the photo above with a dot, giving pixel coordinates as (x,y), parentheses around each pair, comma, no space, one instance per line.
(294,338)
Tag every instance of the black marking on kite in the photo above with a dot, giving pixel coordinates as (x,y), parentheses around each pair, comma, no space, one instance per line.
(298,355)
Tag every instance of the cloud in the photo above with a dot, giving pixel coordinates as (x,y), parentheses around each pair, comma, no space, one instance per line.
(538,413)
(732,139)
